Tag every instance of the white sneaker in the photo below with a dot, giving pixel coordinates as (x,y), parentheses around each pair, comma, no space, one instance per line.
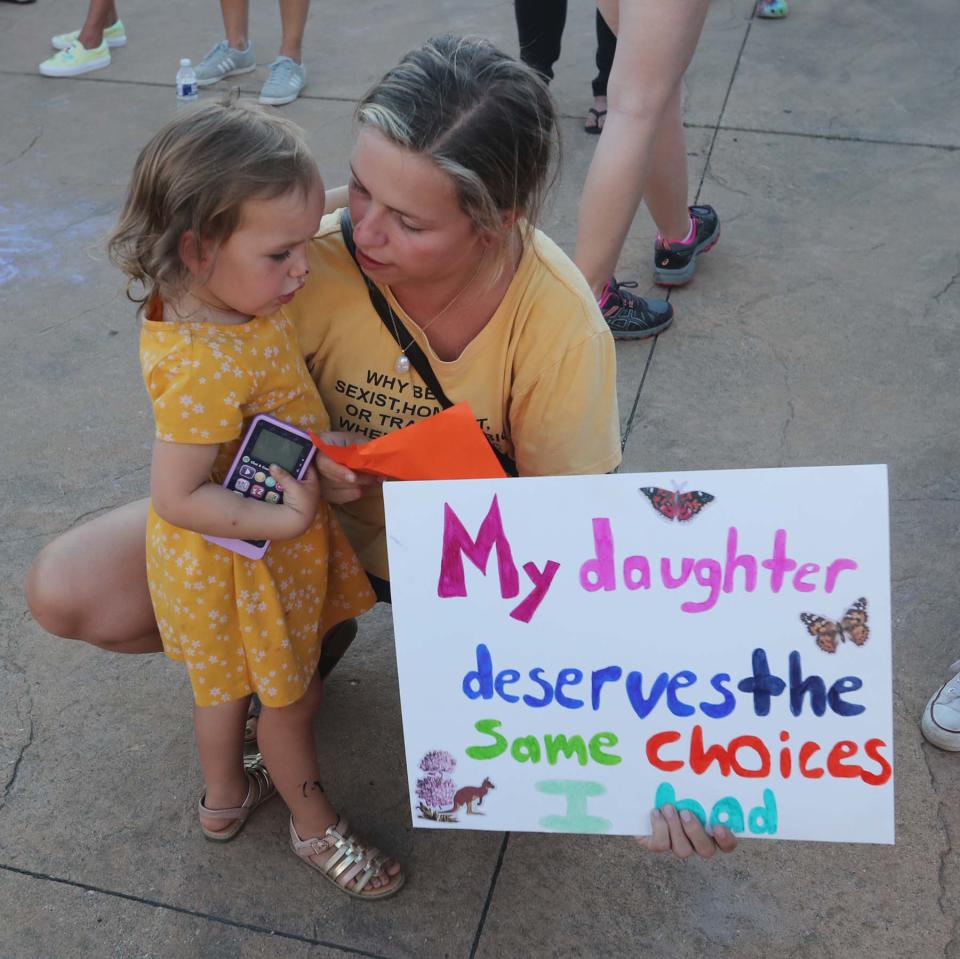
(284,82)
(940,723)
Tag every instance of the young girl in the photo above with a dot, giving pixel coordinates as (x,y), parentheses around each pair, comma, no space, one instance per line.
(221,207)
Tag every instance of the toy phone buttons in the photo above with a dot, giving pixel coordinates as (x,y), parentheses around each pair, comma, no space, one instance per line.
(246,459)
(270,482)
(257,491)
(260,477)
(241,486)
(247,471)
(272,497)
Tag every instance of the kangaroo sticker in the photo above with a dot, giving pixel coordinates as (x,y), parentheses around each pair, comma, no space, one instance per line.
(470,795)
(439,798)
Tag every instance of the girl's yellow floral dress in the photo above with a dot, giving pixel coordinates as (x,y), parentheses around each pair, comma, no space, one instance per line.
(241,625)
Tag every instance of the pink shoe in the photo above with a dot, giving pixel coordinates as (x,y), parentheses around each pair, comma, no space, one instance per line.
(261,789)
(349,860)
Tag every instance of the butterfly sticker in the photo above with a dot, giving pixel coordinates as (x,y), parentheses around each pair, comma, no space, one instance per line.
(829,634)
(675,506)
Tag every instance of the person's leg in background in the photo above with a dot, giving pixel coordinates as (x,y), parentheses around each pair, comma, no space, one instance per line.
(655,44)
(287,77)
(540,26)
(101,14)
(236,22)
(293,23)
(88,48)
(683,232)
(606,48)
(234,55)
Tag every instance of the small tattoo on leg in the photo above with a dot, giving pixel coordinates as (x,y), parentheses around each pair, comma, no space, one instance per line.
(315,786)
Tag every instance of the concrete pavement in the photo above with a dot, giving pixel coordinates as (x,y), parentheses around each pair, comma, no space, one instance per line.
(823,329)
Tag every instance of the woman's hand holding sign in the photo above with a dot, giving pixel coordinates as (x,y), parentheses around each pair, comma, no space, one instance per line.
(683,835)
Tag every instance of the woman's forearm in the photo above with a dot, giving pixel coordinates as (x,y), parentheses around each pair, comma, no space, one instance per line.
(336,199)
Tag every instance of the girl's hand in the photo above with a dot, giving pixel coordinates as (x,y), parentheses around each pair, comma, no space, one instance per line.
(340,485)
(183,495)
(301,499)
(683,835)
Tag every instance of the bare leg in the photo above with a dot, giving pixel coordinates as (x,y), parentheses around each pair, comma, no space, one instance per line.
(100,14)
(219,733)
(293,22)
(655,44)
(236,22)
(91,584)
(666,191)
(285,736)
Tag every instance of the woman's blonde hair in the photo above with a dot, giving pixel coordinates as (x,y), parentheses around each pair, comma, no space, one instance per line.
(485,119)
(195,174)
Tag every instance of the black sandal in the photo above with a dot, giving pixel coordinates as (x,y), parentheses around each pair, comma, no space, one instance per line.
(595,128)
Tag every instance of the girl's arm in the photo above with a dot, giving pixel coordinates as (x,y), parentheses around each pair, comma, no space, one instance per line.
(183,496)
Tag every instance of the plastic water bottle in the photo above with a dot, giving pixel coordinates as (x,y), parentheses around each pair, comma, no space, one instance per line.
(186,81)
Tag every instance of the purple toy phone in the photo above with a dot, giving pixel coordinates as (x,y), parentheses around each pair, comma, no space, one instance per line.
(269,441)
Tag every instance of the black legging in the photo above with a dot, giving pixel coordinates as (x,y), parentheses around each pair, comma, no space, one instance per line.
(540,26)
(381,587)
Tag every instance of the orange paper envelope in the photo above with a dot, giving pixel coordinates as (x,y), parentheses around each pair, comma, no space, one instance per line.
(450,445)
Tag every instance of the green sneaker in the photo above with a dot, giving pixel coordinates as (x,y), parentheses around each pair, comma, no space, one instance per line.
(284,82)
(76,59)
(115,36)
(224,61)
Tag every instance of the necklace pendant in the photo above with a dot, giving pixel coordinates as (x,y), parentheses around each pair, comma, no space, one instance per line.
(402,364)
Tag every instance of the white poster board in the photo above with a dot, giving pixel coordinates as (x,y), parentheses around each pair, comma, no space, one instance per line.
(573,651)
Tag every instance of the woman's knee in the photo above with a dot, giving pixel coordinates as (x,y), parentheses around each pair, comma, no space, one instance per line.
(91,583)
(48,594)
(644,104)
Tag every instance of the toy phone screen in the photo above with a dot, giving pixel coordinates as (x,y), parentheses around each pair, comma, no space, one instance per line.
(270,447)
(268,443)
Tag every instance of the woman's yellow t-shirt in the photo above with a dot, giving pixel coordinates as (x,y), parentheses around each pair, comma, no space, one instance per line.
(540,377)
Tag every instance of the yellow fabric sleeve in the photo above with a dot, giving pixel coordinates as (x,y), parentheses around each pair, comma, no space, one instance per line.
(197,392)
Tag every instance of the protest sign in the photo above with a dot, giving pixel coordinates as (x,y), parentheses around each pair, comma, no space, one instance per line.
(573,651)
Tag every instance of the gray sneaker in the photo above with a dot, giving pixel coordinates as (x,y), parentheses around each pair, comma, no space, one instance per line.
(284,82)
(224,61)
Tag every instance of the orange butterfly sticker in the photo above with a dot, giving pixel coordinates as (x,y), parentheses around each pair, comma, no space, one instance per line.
(829,635)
